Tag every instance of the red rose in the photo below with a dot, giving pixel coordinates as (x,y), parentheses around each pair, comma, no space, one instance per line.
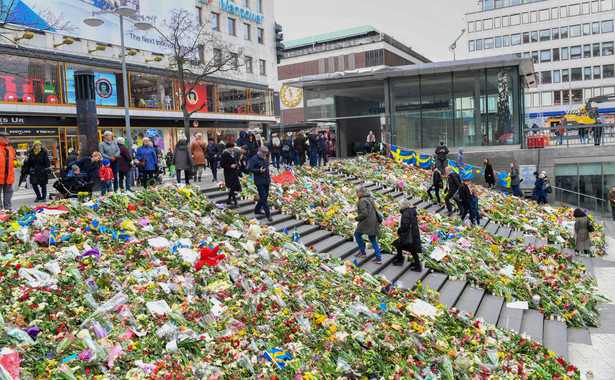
(18,266)
(16,275)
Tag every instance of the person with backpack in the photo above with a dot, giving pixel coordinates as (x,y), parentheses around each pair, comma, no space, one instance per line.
(275,147)
(212,154)
(441,156)
(369,223)
(199,154)
(286,151)
(539,192)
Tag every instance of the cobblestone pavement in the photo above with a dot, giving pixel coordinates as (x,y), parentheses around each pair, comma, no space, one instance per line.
(597,354)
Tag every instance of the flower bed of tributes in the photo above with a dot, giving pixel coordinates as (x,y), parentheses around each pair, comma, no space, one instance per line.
(117,296)
(553,223)
(506,268)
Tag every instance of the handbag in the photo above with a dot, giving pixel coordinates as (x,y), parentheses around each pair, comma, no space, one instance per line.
(590,226)
(456,196)
(141,164)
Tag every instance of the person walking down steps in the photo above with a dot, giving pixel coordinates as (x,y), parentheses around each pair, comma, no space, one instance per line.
(408,236)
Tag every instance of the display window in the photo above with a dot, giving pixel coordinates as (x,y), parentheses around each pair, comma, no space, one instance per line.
(21,140)
(30,80)
(107,83)
(232,99)
(260,102)
(151,91)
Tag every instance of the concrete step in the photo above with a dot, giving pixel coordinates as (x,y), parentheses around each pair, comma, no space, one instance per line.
(451,291)
(423,205)
(263,219)
(305,230)
(373,268)
(557,246)
(245,210)
(555,337)
(355,181)
(470,299)
(345,250)
(532,324)
(490,308)
(329,244)
(504,232)
(435,281)
(540,242)
(364,260)
(492,228)
(435,208)
(283,221)
(515,234)
(315,237)
(409,279)
(394,272)
(396,195)
(510,318)
(529,239)
(385,190)
(415,201)
(484,221)
(207,189)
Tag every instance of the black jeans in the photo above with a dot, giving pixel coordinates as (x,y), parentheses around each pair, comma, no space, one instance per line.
(447,200)
(147,175)
(263,195)
(400,256)
(213,165)
(42,193)
(436,189)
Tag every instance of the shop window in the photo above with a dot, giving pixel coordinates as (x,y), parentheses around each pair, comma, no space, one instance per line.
(607,26)
(232,99)
(231,27)
(248,64)
(565,75)
(564,32)
(260,36)
(151,91)
(108,85)
(555,54)
(576,74)
(597,72)
(587,73)
(556,76)
(555,33)
(576,96)
(607,71)
(215,21)
(260,102)
(607,48)
(29,80)
(575,52)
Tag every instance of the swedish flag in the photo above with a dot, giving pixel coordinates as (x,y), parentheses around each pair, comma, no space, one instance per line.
(278,356)
(126,235)
(53,237)
(504,180)
(354,265)
(286,233)
(469,173)
(453,166)
(296,236)
(96,226)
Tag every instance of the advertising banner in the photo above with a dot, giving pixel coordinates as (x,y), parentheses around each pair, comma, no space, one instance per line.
(105,85)
(33,12)
(197,97)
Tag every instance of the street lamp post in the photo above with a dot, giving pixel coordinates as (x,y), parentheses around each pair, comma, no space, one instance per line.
(454,44)
(141,25)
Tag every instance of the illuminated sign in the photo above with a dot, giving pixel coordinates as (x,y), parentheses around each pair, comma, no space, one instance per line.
(241,12)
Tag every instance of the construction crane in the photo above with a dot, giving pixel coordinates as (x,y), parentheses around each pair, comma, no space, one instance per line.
(589,113)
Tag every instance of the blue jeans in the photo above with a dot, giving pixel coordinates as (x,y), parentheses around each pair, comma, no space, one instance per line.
(114,166)
(124,179)
(263,194)
(474,215)
(313,157)
(516,191)
(42,193)
(372,239)
(106,186)
(275,158)
(560,139)
(178,174)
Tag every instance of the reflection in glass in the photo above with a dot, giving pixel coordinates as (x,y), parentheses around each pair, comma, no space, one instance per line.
(29,80)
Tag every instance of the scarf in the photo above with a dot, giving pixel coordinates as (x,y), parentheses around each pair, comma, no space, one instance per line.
(37,151)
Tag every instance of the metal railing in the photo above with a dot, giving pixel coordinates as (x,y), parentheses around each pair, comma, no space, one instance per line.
(578,135)
(581,200)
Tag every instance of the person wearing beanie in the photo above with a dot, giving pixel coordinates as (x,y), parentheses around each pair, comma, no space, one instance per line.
(106,177)
(183,160)
(37,166)
(408,236)
(228,162)
(459,162)
(110,150)
(441,156)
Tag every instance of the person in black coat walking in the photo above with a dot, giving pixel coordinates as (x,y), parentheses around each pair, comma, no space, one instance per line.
(441,156)
(436,184)
(489,176)
(37,166)
(259,167)
(466,198)
(252,145)
(183,161)
(408,236)
(300,147)
(453,182)
(231,172)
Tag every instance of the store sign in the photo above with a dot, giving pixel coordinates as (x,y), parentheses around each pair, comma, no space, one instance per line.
(104,88)
(12,120)
(195,124)
(233,9)
(152,132)
(16,132)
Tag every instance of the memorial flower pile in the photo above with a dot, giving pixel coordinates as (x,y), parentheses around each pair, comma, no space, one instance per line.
(544,277)
(553,223)
(160,285)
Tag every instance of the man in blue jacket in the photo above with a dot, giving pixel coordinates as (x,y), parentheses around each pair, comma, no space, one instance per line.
(147,152)
(259,167)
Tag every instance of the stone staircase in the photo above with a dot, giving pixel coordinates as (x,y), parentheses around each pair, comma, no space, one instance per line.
(453,293)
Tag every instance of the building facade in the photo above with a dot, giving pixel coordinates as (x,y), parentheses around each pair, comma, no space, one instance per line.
(570,42)
(352,49)
(37,94)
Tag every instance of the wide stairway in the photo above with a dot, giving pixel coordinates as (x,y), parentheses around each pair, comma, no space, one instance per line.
(453,293)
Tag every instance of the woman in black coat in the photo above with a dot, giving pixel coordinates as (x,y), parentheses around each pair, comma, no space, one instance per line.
(252,145)
(37,166)
(231,172)
(489,176)
(408,236)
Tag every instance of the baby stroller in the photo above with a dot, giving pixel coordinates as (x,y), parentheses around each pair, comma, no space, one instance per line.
(156,178)
(70,187)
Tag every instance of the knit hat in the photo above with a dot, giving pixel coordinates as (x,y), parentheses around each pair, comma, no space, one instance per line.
(37,142)
(105,162)
(230,145)
(74,167)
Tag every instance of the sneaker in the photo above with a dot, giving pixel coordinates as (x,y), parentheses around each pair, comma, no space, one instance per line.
(377,261)
(270,219)
(361,254)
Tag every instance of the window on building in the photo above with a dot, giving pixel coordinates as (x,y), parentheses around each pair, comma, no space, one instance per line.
(597,72)
(260,34)
(544,15)
(471,46)
(557,98)
(575,52)
(574,10)
(526,54)
(488,43)
(533,16)
(595,27)
(515,19)
(575,30)
(547,99)
(598,91)
(565,75)
(607,71)
(248,64)
(525,17)
(498,42)
(505,21)
(555,33)
(545,35)
(478,25)
(259,6)
(577,96)
(471,27)
(199,15)
(545,56)
(554,14)
(497,22)
(534,36)
(587,73)
(545,77)
(235,61)
(505,40)
(261,67)
(535,56)
(564,54)
(595,7)
(587,51)
(556,76)
(587,29)
(231,27)
(215,21)
(576,74)
(606,6)
(596,50)
(515,39)
(376,57)
(607,48)
(536,99)
(607,26)
(488,24)
(201,53)
(246,32)
(564,32)
(585,8)
(244,3)
(526,37)
(479,44)
(565,97)
(555,54)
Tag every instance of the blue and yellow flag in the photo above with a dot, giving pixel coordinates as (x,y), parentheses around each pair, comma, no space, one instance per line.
(286,233)
(468,172)
(354,265)
(504,180)
(96,226)
(410,157)
(53,237)
(278,356)
(126,235)
(296,236)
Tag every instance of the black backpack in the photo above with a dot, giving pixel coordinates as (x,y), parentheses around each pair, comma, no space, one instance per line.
(285,147)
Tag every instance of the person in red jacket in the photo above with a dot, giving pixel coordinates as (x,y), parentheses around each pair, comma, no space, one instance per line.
(7,171)
(106,177)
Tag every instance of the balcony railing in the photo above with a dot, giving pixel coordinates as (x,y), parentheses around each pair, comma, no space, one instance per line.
(578,135)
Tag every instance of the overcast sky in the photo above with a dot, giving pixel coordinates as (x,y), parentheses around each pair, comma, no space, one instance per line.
(428,26)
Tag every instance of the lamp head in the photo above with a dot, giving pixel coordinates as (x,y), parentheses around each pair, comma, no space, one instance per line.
(25,35)
(142,25)
(94,21)
(125,11)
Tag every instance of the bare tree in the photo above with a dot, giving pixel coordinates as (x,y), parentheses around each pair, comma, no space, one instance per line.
(196,52)
(13,17)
